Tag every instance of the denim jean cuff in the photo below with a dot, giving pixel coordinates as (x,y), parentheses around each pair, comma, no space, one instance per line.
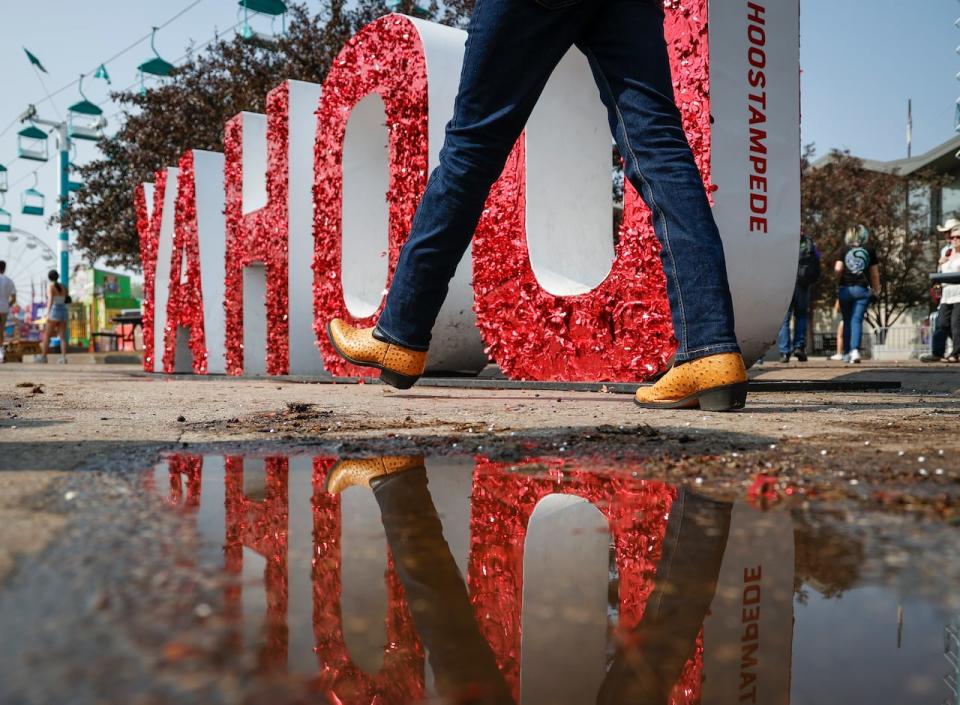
(381,334)
(688,355)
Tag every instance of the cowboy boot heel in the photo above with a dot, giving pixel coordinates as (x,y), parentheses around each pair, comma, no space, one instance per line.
(726,398)
(395,379)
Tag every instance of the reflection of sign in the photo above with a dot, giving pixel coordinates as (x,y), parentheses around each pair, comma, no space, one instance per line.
(748,635)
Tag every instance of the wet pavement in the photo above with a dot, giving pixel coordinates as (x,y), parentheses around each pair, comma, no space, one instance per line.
(540,574)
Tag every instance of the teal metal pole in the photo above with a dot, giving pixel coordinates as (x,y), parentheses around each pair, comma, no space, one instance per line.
(63,244)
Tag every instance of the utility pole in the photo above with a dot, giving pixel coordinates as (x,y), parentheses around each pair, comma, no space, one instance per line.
(65,186)
(909,128)
(63,181)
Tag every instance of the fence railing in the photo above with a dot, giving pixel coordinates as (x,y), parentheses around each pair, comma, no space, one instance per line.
(901,342)
(898,342)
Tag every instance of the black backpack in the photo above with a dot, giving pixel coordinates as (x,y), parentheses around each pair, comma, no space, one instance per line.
(808,271)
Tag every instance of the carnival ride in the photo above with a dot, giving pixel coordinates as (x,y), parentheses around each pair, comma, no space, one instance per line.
(25,255)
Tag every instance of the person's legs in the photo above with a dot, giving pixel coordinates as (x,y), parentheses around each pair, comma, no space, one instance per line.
(625,45)
(801,310)
(3,327)
(955,330)
(63,338)
(861,299)
(941,332)
(47,335)
(846,310)
(783,337)
(512,48)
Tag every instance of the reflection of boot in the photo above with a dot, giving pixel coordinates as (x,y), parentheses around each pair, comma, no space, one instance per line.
(360,471)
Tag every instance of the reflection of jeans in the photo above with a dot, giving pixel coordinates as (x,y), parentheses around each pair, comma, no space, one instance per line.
(685,584)
(800,309)
(853,305)
(461,659)
(512,48)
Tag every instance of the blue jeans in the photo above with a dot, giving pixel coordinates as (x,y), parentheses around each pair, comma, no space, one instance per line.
(512,48)
(799,309)
(853,305)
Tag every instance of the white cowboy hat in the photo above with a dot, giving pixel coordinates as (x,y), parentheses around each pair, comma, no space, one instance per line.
(949,225)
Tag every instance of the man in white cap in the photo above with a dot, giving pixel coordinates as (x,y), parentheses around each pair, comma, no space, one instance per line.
(8,297)
(949,310)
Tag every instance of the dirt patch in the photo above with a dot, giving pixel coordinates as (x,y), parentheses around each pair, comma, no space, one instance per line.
(306,421)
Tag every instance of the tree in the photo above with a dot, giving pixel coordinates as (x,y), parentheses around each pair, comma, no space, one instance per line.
(841,194)
(190,109)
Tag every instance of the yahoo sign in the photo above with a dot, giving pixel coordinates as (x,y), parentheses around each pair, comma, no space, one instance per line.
(247,254)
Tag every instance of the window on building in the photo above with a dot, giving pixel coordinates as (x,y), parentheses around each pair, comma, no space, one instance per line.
(950,202)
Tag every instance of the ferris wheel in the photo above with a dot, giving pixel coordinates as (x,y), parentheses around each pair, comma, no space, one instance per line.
(28,258)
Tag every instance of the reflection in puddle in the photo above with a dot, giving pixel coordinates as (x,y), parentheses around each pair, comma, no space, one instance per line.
(546,582)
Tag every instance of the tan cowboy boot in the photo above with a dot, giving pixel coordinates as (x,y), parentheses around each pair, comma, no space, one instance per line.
(714,383)
(399,366)
(360,471)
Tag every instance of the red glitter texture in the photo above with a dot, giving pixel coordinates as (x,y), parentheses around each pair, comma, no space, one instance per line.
(185,302)
(262,527)
(502,502)
(400,680)
(184,473)
(260,237)
(621,330)
(148,230)
(385,57)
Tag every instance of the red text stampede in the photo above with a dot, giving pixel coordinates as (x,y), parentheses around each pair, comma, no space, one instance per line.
(750,641)
(757,103)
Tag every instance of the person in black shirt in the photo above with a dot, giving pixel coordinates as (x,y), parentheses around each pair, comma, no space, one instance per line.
(859,280)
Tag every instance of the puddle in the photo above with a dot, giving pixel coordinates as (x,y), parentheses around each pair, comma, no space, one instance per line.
(557,581)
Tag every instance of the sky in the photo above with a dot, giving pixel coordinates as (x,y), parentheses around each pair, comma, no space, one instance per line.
(861,59)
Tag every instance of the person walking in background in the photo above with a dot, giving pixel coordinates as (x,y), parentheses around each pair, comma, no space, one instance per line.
(56,318)
(8,297)
(859,280)
(512,48)
(808,272)
(948,316)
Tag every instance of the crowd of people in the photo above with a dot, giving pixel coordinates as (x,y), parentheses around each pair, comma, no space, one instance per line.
(858,270)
